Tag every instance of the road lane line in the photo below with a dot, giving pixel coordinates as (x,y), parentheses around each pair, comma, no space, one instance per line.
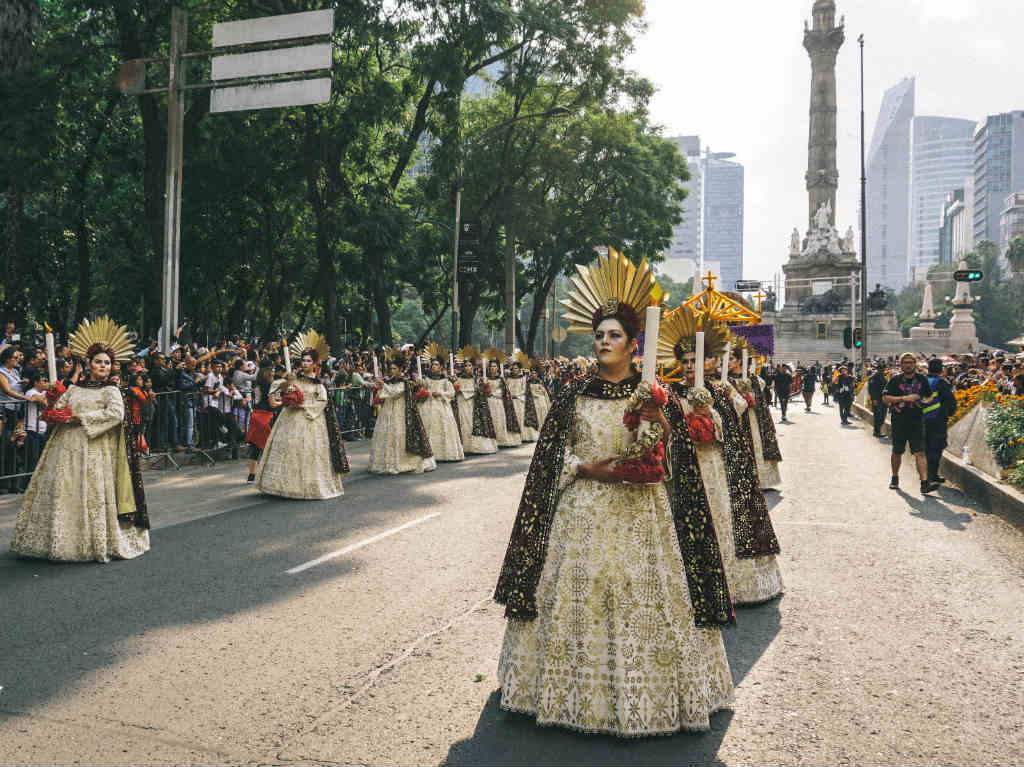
(354,546)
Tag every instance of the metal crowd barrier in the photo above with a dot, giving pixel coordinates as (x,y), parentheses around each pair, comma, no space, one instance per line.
(173,427)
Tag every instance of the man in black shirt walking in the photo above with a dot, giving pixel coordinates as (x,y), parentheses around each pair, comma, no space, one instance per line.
(876,388)
(936,411)
(783,382)
(903,394)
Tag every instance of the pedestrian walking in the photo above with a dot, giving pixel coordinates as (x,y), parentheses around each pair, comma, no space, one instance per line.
(782,381)
(904,394)
(810,383)
(844,394)
(876,388)
(936,411)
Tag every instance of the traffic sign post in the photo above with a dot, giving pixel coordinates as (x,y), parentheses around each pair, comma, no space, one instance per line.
(748,286)
(287,71)
(968,275)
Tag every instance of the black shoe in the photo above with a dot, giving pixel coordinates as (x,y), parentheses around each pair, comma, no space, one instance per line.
(927,487)
(252,478)
(894,483)
(876,434)
(937,480)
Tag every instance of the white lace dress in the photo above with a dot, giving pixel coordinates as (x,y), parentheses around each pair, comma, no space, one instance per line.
(751,581)
(495,402)
(542,401)
(387,451)
(465,399)
(614,647)
(517,387)
(296,461)
(81,482)
(439,420)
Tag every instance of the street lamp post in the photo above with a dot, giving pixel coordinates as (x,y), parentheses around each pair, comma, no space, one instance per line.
(863,223)
(510,252)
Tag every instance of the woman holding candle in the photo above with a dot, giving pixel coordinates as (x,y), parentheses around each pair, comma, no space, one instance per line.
(437,415)
(86,501)
(400,442)
(762,435)
(304,456)
(613,600)
(475,424)
(501,403)
(522,398)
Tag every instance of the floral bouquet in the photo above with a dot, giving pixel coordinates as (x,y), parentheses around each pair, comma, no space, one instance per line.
(641,462)
(421,394)
(702,428)
(293,397)
(744,387)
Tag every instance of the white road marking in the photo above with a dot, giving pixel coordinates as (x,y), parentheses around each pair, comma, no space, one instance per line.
(349,549)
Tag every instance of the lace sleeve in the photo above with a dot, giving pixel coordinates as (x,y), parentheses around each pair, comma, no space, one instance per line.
(108,413)
(570,469)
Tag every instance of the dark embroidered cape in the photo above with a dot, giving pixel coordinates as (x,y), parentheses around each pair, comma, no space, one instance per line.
(527,549)
(416,440)
(339,459)
(511,421)
(765,422)
(752,528)
(530,413)
(483,424)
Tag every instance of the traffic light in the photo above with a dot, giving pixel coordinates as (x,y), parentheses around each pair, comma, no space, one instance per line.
(967,275)
(858,338)
(848,337)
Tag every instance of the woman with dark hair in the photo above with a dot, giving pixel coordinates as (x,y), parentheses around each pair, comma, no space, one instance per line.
(85,500)
(262,419)
(614,591)
(304,456)
(400,441)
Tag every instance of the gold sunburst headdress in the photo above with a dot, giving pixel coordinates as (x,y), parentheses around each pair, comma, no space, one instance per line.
(435,351)
(678,335)
(309,341)
(492,354)
(388,353)
(523,359)
(116,339)
(602,288)
(467,353)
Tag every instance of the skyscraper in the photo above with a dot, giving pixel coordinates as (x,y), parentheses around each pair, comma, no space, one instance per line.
(712,212)
(888,175)
(941,154)
(998,170)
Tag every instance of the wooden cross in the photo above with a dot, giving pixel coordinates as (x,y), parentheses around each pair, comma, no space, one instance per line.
(709,278)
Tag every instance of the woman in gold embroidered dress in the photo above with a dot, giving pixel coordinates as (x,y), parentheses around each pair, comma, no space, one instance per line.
(517,387)
(392,450)
(540,397)
(467,399)
(85,501)
(606,639)
(299,458)
(496,402)
(437,415)
(767,471)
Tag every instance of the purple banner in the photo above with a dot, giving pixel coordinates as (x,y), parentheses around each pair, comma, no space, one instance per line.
(760,337)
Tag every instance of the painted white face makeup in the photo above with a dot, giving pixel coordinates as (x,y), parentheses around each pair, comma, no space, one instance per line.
(612,345)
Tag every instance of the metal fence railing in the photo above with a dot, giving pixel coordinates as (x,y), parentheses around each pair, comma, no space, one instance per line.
(168,426)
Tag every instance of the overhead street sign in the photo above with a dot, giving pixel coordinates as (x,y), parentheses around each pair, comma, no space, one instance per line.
(271,28)
(264,96)
(748,286)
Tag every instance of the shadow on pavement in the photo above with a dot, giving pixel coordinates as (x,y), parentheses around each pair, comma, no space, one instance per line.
(931,509)
(65,621)
(504,738)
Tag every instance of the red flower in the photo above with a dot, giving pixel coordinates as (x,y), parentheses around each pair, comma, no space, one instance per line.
(54,392)
(487,389)
(293,398)
(377,401)
(749,398)
(637,472)
(457,388)
(655,455)
(420,395)
(658,395)
(55,416)
(631,419)
(702,428)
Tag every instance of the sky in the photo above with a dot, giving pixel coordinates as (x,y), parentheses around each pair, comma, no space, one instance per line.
(736,74)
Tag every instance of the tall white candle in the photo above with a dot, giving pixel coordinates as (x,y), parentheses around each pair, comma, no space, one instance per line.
(699,348)
(451,364)
(746,362)
(51,355)
(651,342)
(419,367)
(376,368)
(287,357)
(725,360)
(501,369)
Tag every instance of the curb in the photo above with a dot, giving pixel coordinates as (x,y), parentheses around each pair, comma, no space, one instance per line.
(990,493)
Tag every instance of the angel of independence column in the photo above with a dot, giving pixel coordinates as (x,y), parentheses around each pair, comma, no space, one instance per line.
(822,39)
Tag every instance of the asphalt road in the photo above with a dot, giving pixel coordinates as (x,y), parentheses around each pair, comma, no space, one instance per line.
(900,639)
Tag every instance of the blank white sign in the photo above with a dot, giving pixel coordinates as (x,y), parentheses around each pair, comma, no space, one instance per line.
(308,24)
(288,94)
(275,62)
